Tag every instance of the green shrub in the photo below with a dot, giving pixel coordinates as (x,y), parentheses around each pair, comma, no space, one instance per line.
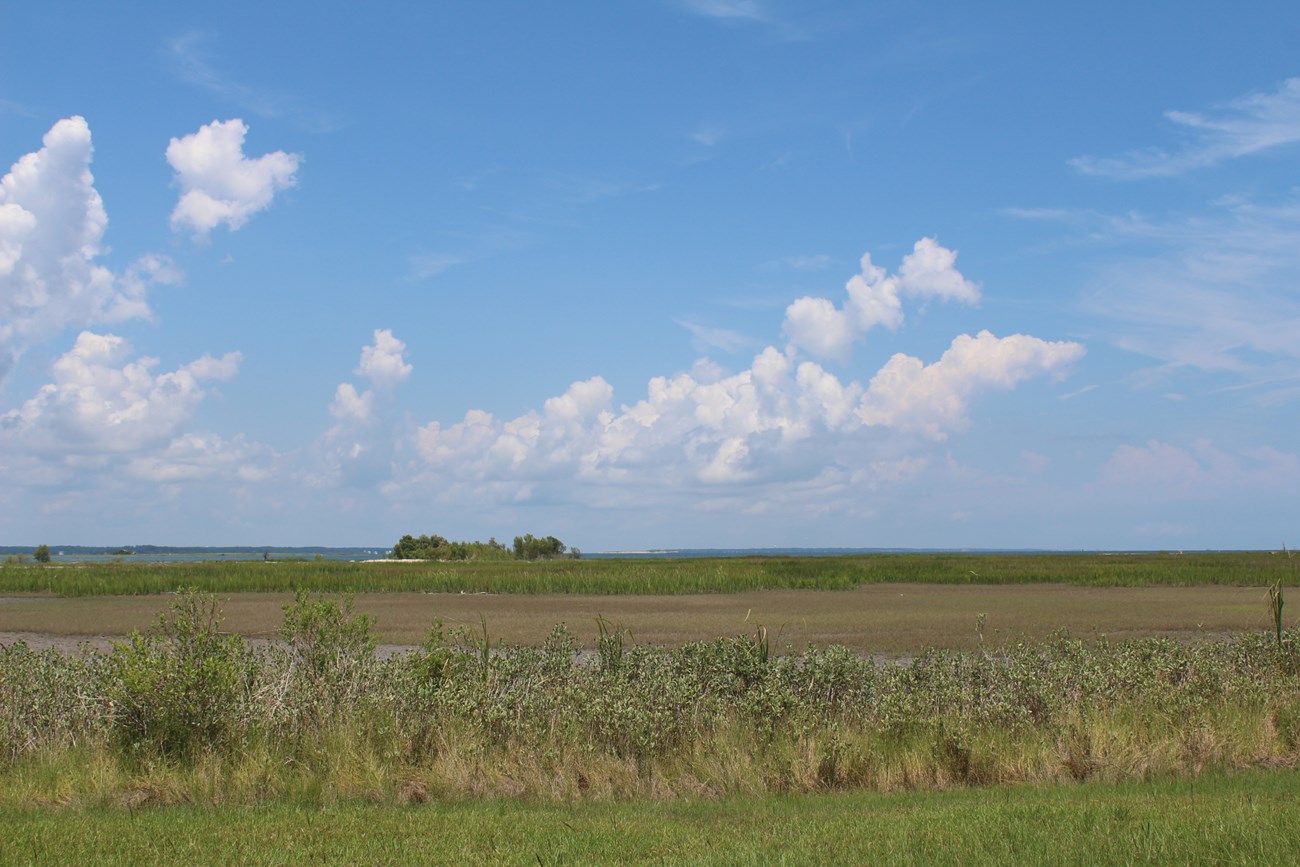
(331,645)
(177,689)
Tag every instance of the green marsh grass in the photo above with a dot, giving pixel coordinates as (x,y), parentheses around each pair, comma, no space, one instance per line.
(650,576)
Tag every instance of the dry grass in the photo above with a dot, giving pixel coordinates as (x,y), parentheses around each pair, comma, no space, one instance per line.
(884,618)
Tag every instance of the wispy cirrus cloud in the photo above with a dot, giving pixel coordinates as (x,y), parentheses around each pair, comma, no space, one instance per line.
(1078,392)
(427,265)
(1216,292)
(814,262)
(1246,125)
(193,61)
(9,106)
(1160,471)
(756,13)
(708,135)
(705,338)
(1211,291)
(746,10)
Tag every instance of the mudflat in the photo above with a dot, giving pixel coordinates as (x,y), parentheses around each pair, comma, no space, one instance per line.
(873,619)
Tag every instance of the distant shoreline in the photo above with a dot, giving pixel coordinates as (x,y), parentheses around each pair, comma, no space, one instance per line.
(166,553)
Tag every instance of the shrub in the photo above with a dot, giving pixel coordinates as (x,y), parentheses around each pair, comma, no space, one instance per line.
(177,689)
(330,643)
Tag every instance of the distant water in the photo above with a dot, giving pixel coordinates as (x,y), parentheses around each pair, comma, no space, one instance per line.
(57,556)
(794,552)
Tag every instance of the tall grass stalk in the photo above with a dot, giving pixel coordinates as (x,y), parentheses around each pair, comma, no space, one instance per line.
(1275,607)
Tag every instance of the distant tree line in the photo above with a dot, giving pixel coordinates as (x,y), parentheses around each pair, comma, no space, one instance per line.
(526,547)
(41,554)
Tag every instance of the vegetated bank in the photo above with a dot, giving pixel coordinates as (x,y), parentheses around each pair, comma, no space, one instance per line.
(658,576)
(187,714)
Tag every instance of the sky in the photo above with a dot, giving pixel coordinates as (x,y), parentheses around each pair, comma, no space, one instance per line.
(651,273)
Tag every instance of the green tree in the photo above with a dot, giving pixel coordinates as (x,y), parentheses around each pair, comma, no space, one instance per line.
(420,548)
(529,547)
(42,554)
(438,548)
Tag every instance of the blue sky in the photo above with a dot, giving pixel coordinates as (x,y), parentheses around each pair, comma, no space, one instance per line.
(654,273)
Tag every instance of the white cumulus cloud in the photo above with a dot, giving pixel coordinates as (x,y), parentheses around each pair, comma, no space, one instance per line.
(358,450)
(786,426)
(384,364)
(348,404)
(52,224)
(199,456)
(102,401)
(384,361)
(817,326)
(218,184)
(929,272)
(931,399)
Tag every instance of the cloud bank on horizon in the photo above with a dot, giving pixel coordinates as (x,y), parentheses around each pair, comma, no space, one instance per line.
(1114,376)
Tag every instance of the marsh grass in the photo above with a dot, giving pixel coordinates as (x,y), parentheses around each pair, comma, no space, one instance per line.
(652,576)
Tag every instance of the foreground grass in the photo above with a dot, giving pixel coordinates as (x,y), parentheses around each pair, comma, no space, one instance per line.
(1245,817)
(672,576)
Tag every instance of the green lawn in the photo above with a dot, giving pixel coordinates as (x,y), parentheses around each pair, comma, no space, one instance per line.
(1240,818)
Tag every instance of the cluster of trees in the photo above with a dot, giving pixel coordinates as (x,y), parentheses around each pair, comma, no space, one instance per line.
(439,548)
(526,547)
